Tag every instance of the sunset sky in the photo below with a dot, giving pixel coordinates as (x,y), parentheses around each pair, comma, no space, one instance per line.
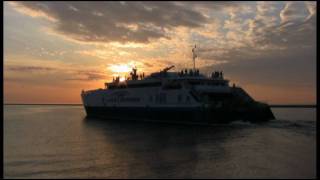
(53,50)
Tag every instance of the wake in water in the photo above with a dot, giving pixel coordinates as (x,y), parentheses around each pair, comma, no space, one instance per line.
(299,126)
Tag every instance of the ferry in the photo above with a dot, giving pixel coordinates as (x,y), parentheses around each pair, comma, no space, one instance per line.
(186,96)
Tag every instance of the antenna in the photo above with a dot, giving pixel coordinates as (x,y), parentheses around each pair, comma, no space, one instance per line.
(194,56)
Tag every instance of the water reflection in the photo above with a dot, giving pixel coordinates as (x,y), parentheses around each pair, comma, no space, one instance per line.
(161,150)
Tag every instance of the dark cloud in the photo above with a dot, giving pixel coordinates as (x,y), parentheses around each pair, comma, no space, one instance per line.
(117,21)
(72,74)
(86,75)
(293,67)
(148,64)
(29,68)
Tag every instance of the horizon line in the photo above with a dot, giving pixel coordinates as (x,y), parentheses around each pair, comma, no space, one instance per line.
(71,104)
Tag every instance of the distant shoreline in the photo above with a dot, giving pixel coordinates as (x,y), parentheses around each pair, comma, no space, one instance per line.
(293,106)
(48,104)
(272,105)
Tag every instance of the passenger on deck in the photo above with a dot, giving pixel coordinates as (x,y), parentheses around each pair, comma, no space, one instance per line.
(190,72)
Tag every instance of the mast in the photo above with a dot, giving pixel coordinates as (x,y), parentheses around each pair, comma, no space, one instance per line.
(194,56)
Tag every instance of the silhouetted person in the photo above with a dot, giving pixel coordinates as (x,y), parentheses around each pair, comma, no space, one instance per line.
(190,72)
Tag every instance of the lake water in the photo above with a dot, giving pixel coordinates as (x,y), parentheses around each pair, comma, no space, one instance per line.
(59,142)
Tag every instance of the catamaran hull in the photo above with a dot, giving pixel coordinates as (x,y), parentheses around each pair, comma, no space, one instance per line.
(179,115)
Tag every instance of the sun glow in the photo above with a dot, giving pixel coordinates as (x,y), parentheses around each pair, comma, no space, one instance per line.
(122,79)
(120,68)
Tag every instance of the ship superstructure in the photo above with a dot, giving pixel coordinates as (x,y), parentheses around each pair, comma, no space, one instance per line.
(184,96)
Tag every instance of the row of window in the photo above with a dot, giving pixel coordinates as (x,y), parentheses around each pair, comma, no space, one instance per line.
(162,98)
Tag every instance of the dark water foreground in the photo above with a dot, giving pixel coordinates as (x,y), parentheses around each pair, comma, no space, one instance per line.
(59,142)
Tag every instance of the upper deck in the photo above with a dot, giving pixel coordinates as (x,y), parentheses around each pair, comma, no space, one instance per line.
(163,78)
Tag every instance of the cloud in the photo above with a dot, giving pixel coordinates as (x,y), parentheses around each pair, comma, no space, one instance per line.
(312,8)
(28,68)
(293,11)
(31,12)
(286,68)
(86,76)
(281,55)
(292,29)
(140,22)
(114,21)
(266,7)
(71,73)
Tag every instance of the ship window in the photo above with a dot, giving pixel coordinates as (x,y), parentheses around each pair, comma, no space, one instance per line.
(172,85)
(179,98)
(164,98)
(161,98)
(155,84)
(195,83)
(188,99)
